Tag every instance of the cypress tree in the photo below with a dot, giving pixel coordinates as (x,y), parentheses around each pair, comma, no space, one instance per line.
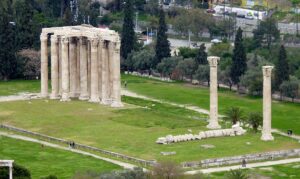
(128,34)
(281,68)
(201,57)
(162,48)
(7,50)
(239,64)
(24,24)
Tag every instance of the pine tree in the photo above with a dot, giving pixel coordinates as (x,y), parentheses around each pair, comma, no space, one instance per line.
(201,57)
(282,68)
(7,52)
(162,48)
(128,35)
(24,24)
(239,64)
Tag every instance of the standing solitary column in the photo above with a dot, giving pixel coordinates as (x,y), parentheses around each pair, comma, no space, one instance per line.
(84,95)
(116,77)
(65,70)
(213,115)
(44,65)
(267,102)
(73,67)
(54,67)
(105,72)
(94,71)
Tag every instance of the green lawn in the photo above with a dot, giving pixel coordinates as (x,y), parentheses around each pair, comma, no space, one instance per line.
(17,86)
(132,130)
(43,161)
(285,171)
(285,115)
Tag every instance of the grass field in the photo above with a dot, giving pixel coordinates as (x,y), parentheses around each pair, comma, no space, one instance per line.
(43,161)
(285,115)
(132,131)
(17,86)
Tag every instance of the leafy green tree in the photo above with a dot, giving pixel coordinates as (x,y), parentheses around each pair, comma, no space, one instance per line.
(187,52)
(7,48)
(255,120)
(18,172)
(168,65)
(234,115)
(290,88)
(202,74)
(201,57)
(128,35)
(187,67)
(140,60)
(237,174)
(68,19)
(239,64)
(162,48)
(282,68)
(24,24)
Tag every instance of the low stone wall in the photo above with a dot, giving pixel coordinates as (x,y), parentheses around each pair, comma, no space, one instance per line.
(80,146)
(248,157)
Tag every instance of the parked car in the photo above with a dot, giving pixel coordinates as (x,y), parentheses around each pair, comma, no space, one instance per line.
(215,41)
(212,11)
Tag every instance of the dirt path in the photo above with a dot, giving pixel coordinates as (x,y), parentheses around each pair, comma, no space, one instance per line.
(19,97)
(24,138)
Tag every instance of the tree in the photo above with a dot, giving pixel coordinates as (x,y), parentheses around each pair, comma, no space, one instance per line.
(162,48)
(187,52)
(24,24)
(166,170)
(268,30)
(237,174)
(7,48)
(128,35)
(234,114)
(202,74)
(187,67)
(18,172)
(239,64)
(201,58)
(255,120)
(68,20)
(32,65)
(290,88)
(140,60)
(281,68)
(167,66)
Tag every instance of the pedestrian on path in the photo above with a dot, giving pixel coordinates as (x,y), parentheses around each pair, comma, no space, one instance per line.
(244,163)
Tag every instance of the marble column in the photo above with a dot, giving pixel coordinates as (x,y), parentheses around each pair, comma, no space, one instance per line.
(59,65)
(84,95)
(213,115)
(54,68)
(94,71)
(78,69)
(267,102)
(73,67)
(116,76)
(100,67)
(105,72)
(44,65)
(65,70)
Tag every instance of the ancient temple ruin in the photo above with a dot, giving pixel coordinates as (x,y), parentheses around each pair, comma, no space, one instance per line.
(85,64)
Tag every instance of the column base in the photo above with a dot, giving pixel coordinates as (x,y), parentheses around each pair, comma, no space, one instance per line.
(83,98)
(106,102)
(94,100)
(73,95)
(213,126)
(54,96)
(267,137)
(65,98)
(43,95)
(116,104)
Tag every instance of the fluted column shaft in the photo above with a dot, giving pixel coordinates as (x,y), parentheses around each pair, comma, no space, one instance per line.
(267,102)
(213,115)
(73,67)
(54,67)
(105,71)
(44,65)
(94,71)
(65,70)
(116,77)
(84,95)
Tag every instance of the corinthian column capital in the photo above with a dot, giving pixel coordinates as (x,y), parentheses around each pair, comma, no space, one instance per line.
(94,42)
(54,39)
(43,37)
(213,61)
(267,70)
(65,40)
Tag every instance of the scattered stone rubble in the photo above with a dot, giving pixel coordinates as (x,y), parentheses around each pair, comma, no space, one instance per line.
(236,130)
